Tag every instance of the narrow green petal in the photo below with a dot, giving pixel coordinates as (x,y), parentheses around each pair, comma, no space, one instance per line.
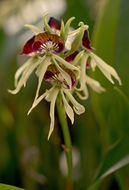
(65,75)
(65,63)
(68,108)
(52,109)
(46,25)
(85,92)
(78,39)
(78,108)
(93,64)
(106,69)
(34,29)
(22,81)
(22,69)
(66,29)
(40,73)
(37,101)
(75,32)
(95,85)
(62,29)
(49,95)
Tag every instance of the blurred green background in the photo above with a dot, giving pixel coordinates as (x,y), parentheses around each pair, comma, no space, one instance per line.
(100,136)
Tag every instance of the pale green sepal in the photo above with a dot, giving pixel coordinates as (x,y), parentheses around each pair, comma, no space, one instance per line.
(78,39)
(68,109)
(93,64)
(52,109)
(62,29)
(34,29)
(21,70)
(85,92)
(95,85)
(46,25)
(65,75)
(66,29)
(22,81)
(37,101)
(78,108)
(65,63)
(40,73)
(49,95)
(106,69)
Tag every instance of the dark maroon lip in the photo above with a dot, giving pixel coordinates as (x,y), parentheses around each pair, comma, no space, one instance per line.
(28,49)
(54,23)
(37,43)
(71,57)
(86,41)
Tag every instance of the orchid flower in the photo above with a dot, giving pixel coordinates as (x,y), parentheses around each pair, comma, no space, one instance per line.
(61,57)
(43,47)
(59,85)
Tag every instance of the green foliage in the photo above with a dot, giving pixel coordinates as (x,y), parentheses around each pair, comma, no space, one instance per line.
(8,187)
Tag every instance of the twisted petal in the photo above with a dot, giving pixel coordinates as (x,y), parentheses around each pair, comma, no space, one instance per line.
(66,29)
(106,69)
(78,108)
(22,69)
(52,109)
(95,85)
(65,63)
(85,94)
(77,40)
(65,75)
(39,99)
(22,81)
(68,109)
(40,73)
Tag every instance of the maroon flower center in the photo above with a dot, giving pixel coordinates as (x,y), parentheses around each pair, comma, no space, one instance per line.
(44,42)
(53,75)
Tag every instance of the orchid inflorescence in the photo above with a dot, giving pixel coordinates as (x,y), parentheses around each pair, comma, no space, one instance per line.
(61,57)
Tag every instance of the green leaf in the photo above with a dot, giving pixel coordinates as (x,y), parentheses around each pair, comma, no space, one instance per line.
(116,158)
(111,41)
(8,187)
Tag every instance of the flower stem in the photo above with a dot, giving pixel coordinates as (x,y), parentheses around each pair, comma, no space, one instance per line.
(67,138)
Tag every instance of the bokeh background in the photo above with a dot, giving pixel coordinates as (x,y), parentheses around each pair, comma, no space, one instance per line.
(100,136)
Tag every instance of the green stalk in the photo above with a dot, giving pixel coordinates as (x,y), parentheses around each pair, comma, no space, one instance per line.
(67,138)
